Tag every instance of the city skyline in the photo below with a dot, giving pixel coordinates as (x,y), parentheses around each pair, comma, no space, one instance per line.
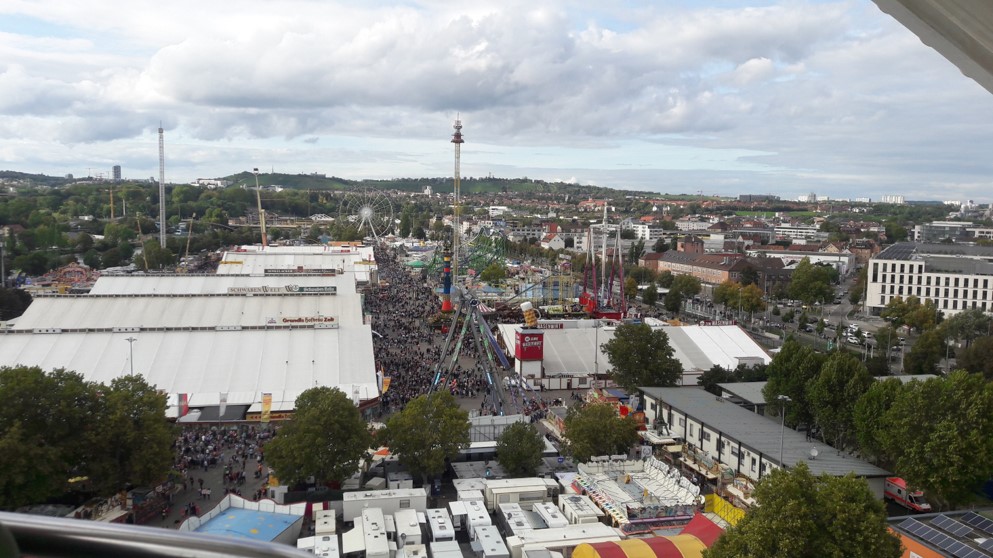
(726,97)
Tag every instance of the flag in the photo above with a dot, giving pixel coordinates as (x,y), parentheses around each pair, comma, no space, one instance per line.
(386,383)
(184,404)
(266,406)
(224,404)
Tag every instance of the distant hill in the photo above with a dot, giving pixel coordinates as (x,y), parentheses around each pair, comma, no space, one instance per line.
(438,185)
(34,179)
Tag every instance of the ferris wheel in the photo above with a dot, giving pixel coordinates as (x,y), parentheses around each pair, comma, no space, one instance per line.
(369,210)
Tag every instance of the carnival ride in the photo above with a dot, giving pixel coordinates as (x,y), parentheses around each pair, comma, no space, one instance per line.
(369,210)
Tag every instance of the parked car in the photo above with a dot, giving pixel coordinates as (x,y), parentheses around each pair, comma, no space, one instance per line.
(854,340)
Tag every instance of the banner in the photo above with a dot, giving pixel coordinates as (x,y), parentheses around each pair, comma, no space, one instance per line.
(266,406)
(386,383)
(224,404)
(184,404)
(529,345)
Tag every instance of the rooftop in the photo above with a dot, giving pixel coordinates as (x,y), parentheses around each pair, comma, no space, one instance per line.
(916,251)
(760,433)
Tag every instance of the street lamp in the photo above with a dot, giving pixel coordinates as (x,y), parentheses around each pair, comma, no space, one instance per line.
(782,432)
(131,341)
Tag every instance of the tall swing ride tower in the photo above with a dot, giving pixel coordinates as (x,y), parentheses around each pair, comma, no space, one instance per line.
(452,260)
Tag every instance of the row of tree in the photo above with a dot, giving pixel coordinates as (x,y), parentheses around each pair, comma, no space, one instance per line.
(57,426)
(931,433)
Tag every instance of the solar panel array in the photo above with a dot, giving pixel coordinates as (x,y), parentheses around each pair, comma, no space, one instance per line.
(986,544)
(953,546)
(954,527)
(979,522)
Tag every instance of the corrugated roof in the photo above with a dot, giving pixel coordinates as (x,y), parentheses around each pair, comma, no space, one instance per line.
(205,364)
(174,311)
(181,284)
(760,433)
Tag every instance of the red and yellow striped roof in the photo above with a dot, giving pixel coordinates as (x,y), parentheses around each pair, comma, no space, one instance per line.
(677,546)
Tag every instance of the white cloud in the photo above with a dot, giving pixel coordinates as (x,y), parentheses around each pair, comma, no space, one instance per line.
(827,96)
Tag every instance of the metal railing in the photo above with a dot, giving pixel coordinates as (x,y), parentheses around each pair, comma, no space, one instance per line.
(48,537)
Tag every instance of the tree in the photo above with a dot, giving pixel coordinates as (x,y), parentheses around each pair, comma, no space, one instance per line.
(977,357)
(681,288)
(967,325)
(833,394)
(33,471)
(868,418)
(132,441)
(789,373)
(596,429)
(641,356)
(494,273)
(430,429)
(803,515)
(942,451)
(406,223)
(650,295)
(811,283)
(727,293)
(665,279)
(912,313)
(519,450)
(326,439)
(13,303)
(630,288)
(926,354)
(716,375)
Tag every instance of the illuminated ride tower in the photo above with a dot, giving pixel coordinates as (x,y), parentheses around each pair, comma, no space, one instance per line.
(452,259)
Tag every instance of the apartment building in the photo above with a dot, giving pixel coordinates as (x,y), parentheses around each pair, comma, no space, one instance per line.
(955,276)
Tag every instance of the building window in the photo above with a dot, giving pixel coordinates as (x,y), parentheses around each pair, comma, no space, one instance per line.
(706,436)
(682,423)
(902,268)
(404,504)
(956,282)
(691,430)
(753,464)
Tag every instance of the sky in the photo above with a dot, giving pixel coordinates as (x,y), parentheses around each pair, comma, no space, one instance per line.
(672,96)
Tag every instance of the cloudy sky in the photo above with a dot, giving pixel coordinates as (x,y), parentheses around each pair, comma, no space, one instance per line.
(679,96)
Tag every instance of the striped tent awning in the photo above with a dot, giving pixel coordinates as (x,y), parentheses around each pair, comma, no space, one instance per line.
(677,546)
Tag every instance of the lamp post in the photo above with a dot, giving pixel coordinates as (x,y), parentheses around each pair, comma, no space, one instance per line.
(131,341)
(782,428)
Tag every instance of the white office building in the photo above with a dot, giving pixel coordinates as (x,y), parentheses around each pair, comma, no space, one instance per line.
(955,276)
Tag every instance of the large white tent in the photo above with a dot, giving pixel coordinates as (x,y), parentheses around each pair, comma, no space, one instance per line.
(577,351)
(208,335)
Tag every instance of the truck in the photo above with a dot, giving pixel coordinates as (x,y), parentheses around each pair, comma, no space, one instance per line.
(896,490)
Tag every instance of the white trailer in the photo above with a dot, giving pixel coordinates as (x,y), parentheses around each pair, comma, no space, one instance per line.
(563,540)
(525,491)
(324,522)
(476,517)
(440,525)
(374,534)
(445,549)
(389,501)
(489,543)
(551,515)
(580,509)
(320,545)
(408,528)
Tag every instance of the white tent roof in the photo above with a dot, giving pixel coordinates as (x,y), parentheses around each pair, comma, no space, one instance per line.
(197,311)
(570,351)
(356,262)
(204,364)
(182,284)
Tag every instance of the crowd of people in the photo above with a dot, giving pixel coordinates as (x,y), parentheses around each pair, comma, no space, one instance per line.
(408,346)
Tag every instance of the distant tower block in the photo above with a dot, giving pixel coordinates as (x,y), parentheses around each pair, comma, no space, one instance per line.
(162,198)
(457,209)
(117,173)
